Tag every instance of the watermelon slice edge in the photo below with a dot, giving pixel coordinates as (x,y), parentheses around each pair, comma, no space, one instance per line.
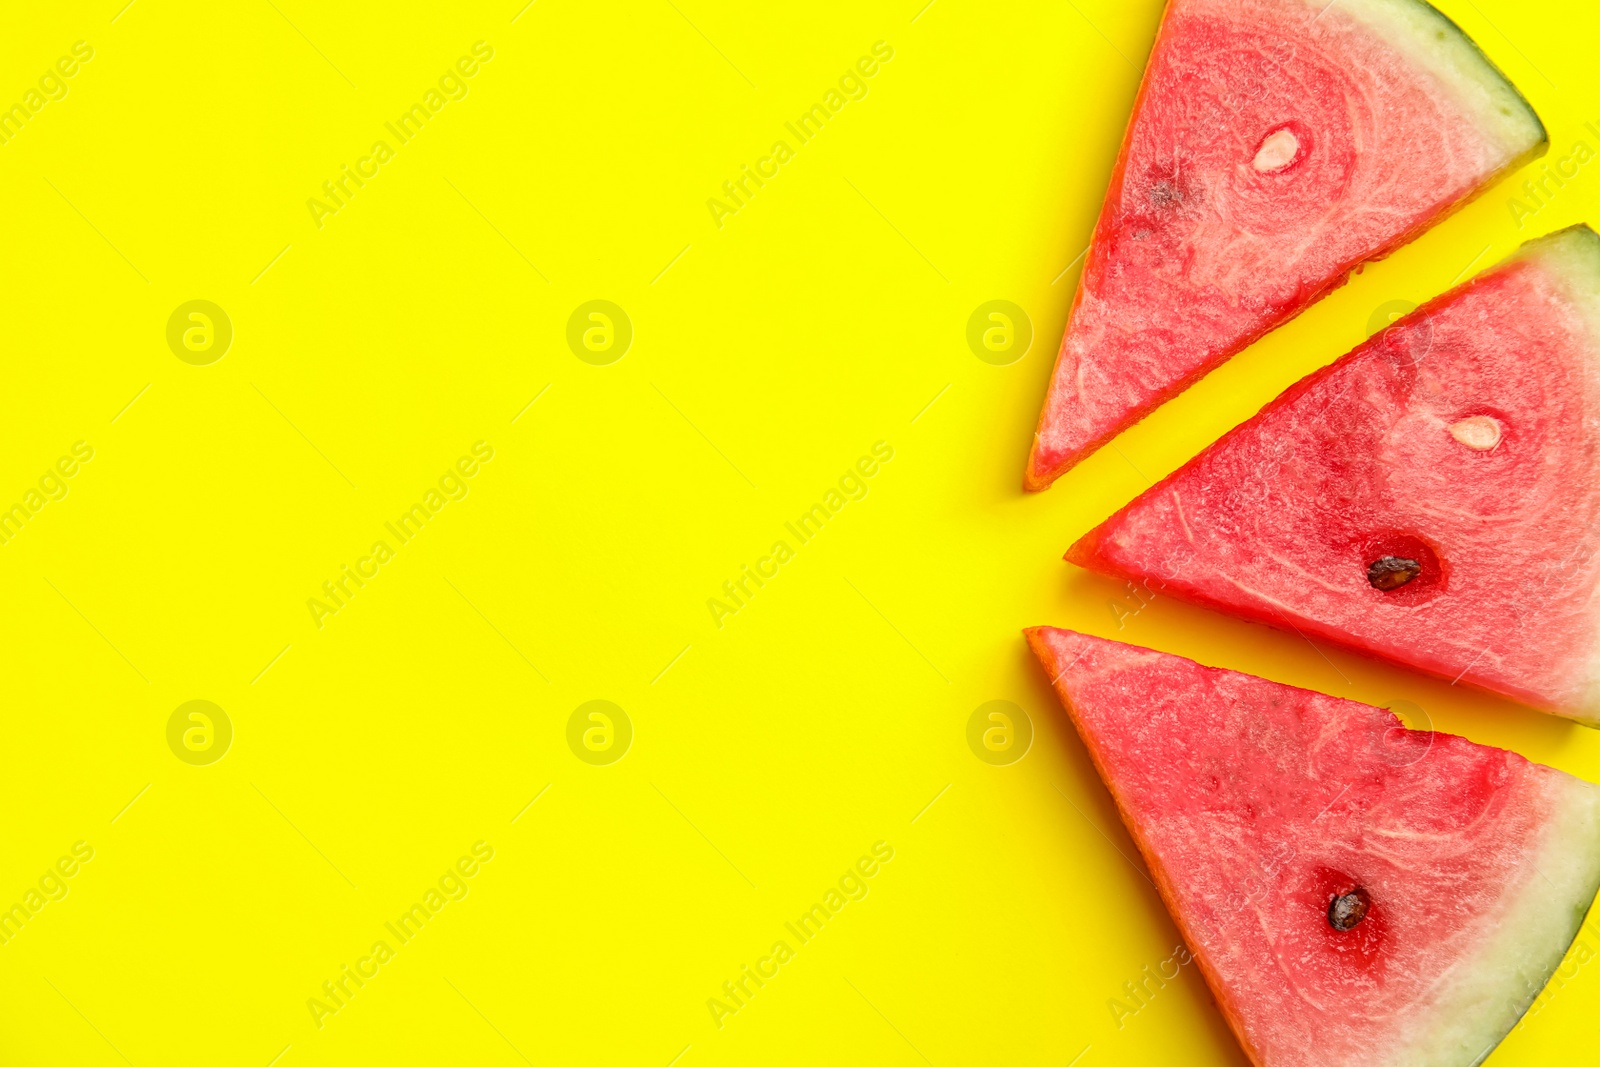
(1190,263)
(1249,799)
(1270,522)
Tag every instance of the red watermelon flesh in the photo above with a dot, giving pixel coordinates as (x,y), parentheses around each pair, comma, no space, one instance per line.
(1275,145)
(1465,438)
(1258,806)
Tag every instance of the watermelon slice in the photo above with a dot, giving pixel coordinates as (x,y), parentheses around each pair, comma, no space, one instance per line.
(1356,893)
(1275,146)
(1432,498)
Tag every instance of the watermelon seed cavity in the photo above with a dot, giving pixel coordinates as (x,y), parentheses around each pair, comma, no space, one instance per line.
(1391,572)
(1348,909)
(1165,195)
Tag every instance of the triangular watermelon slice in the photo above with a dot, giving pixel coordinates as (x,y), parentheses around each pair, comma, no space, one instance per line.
(1432,498)
(1275,145)
(1355,893)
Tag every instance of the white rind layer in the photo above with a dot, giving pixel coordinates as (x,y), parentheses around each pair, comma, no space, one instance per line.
(1483,995)
(1431,41)
(1571,259)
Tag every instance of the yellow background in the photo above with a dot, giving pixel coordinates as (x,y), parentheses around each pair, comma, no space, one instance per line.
(768,355)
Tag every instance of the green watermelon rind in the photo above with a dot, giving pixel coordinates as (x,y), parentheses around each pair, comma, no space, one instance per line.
(1571,259)
(1484,996)
(1429,39)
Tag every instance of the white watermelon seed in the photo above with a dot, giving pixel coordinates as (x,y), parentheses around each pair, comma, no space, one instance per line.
(1478,432)
(1277,151)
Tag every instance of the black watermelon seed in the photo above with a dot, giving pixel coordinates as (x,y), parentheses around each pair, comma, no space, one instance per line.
(1349,909)
(1391,572)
